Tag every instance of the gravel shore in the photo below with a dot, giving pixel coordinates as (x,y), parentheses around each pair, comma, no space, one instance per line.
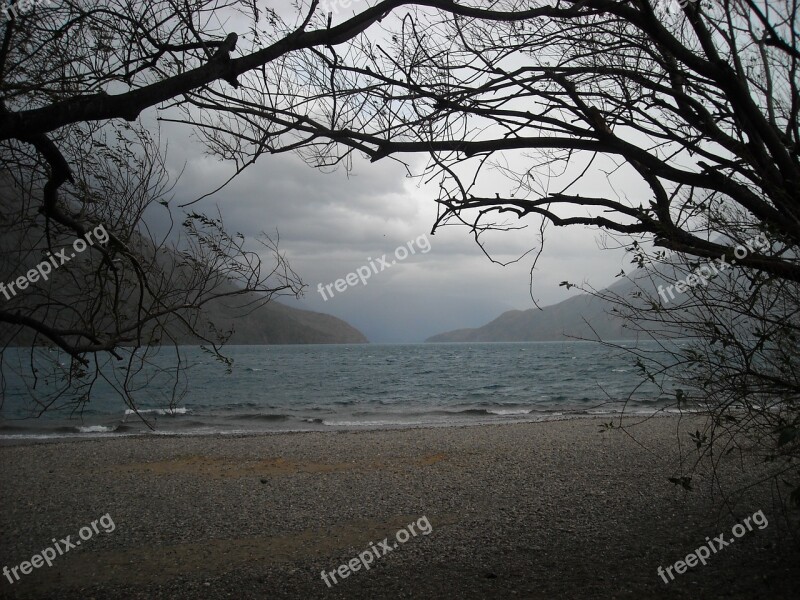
(539,510)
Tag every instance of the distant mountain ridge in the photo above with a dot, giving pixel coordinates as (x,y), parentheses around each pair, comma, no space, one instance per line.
(267,323)
(587,316)
(583,317)
(276,323)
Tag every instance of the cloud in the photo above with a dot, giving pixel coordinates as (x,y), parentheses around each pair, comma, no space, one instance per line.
(332,223)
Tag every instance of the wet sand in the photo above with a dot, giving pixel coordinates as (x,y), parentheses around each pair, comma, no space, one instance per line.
(541,510)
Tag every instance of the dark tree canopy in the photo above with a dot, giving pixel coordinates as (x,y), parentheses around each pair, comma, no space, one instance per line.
(700,106)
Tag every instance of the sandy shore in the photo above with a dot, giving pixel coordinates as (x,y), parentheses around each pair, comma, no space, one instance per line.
(546,510)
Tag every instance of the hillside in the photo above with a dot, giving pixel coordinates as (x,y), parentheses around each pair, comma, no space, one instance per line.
(276,323)
(572,318)
(61,301)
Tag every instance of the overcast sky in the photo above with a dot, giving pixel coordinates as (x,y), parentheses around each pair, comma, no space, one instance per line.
(331,224)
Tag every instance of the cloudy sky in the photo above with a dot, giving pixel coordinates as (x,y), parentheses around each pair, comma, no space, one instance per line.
(331,224)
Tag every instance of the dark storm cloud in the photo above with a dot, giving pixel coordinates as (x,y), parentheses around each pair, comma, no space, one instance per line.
(332,223)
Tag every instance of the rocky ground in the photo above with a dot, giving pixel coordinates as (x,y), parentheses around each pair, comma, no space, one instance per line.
(541,510)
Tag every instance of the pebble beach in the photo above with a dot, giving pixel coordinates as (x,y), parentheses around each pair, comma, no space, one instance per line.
(561,509)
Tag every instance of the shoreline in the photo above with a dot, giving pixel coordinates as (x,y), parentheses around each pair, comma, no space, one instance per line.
(534,510)
(35,439)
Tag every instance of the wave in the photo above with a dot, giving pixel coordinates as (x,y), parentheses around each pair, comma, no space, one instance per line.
(96,428)
(257,417)
(376,423)
(466,411)
(482,412)
(509,411)
(159,411)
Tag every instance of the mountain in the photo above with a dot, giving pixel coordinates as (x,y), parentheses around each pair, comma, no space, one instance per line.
(595,316)
(568,319)
(276,323)
(61,302)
